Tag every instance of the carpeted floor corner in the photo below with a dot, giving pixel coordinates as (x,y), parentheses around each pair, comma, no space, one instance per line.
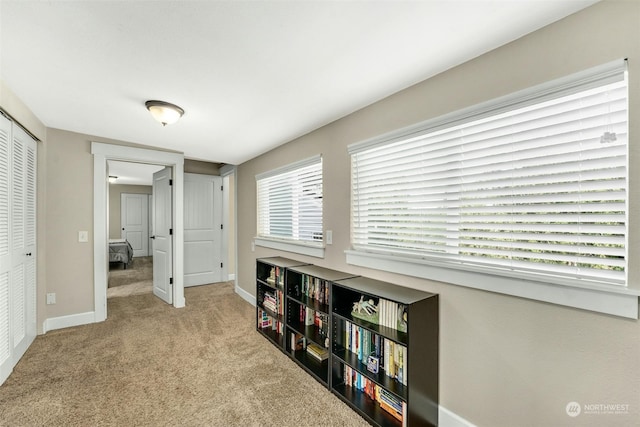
(150,364)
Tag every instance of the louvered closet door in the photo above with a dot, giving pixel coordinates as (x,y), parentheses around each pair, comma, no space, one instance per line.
(17,244)
(6,347)
(23,243)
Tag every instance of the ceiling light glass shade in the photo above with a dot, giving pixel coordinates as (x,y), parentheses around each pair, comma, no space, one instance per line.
(164,112)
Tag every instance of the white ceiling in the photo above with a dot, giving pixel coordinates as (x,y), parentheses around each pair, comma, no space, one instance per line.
(251,75)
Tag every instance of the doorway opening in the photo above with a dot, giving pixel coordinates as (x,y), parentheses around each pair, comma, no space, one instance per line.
(130,225)
(172,251)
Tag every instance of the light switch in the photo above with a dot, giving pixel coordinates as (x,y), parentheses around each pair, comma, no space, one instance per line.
(83,236)
(329,237)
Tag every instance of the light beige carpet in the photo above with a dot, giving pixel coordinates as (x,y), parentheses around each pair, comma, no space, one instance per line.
(150,364)
(136,279)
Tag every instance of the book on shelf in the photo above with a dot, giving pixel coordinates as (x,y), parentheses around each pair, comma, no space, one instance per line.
(391,355)
(319,353)
(274,301)
(310,317)
(315,288)
(392,404)
(392,315)
(387,401)
(278,276)
(270,302)
(298,341)
(321,321)
(264,320)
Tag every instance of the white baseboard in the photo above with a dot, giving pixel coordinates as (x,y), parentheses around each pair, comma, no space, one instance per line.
(245,295)
(68,321)
(446,418)
(231,277)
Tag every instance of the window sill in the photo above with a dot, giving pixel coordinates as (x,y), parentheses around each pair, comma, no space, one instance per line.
(611,300)
(295,247)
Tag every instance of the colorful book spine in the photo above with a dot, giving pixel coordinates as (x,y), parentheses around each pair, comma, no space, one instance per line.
(386,400)
(391,355)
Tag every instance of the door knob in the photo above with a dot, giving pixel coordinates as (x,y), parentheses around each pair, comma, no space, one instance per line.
(28,254)
(152,237)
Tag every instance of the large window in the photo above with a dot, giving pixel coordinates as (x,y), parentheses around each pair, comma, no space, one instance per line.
(533,186)
(290,204)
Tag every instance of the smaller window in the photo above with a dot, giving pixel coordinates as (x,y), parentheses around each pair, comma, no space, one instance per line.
(290,203)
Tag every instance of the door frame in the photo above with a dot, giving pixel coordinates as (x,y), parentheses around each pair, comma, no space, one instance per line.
(103,152)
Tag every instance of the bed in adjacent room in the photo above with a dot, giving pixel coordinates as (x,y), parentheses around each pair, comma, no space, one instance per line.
(120,250)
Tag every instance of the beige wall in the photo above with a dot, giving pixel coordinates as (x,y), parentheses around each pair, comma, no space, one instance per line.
(204,168)
(69,209)
(504,361)
(115,192)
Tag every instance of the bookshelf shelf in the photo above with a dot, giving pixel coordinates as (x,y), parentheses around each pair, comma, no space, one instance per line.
(407,377)
(344,356)
(318,369)
(366,407)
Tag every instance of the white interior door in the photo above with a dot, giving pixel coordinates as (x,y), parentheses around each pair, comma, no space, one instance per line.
(202,229)
(23,241)
(6,359)
(17,244)
(162,236)
(134,219)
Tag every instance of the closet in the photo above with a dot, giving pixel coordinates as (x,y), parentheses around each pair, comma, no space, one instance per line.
(17,244)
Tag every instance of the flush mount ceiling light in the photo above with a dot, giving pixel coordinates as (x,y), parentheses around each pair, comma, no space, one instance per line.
(164,112)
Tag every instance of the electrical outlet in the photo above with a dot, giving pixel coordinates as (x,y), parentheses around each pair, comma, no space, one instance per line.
(51,298)
(253,246)
(83,236)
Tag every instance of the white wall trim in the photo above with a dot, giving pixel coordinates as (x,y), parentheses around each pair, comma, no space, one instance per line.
(101,154)
(245,295)
(617,301)
(61,322)
(227,170)
(225,227)
(294,247)
(446,418)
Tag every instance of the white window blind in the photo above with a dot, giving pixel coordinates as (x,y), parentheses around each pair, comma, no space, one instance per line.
(536,186)
(290,202)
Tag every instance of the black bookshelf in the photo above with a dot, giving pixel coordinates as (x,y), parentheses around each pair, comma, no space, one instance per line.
(308,317)
(271,283)
(409,380)
(315,308)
